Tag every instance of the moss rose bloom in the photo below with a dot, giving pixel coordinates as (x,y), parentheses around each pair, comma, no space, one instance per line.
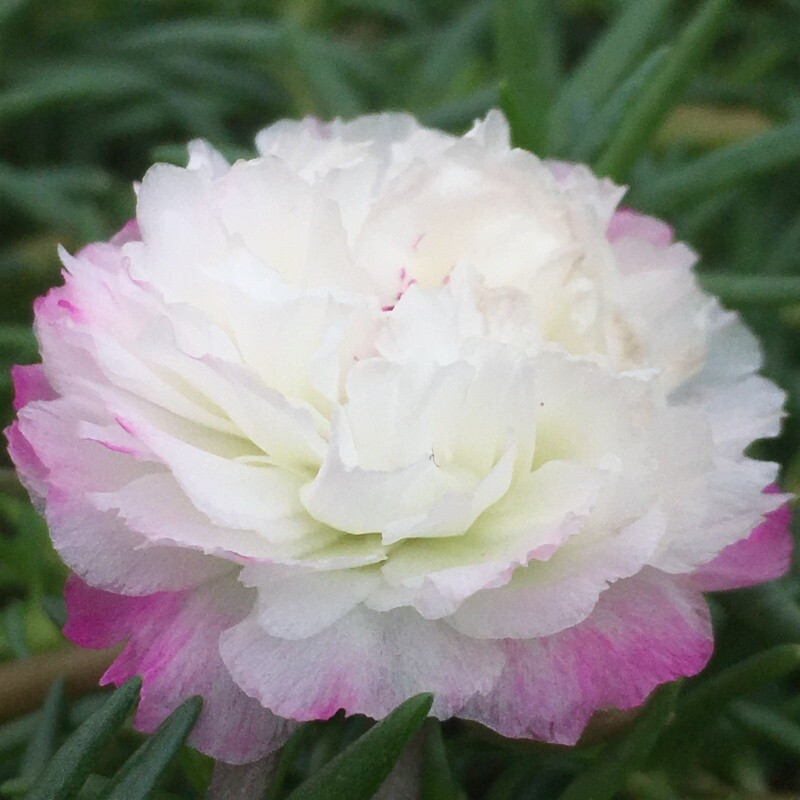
(385,411)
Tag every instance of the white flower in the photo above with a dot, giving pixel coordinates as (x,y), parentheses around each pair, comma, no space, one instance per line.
(384,411)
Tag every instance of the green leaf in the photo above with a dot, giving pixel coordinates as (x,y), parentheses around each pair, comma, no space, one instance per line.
(92,788)
(15,733)
(83,707)
(285,760)
(41,744)
(197,767)
(527,51)
(643,119)
(759,290)
(722,169)
(438,782)
(27,554)
(70,766)
(653,786)
(55,608)
(50,86)
(769,725)
(358,771)
(610,770)
(785,255)
(450,50)
(248,36)
(508,785)
(10,8)
(703,703)
(44,199)
(324,73)
(604,68)
(406,11)
(140,774)
(460,113)
(13,628)
(602,126)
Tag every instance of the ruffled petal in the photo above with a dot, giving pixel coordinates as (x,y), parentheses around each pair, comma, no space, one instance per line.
(645,631)
(172,642)
(764,555)
(367,663)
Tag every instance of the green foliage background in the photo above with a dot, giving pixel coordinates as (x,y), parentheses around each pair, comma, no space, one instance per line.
(696,105)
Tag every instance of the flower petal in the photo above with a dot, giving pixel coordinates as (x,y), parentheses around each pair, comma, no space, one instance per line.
(764,555)
(645,631)
(172,642)
(367,663)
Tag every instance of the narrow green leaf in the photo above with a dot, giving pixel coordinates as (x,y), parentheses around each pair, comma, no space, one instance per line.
(53,86)
(15,733)
(41,745)
(92,788)
(43,199)
(602,126)
(326,79)
(509,783)
(785,256)
(143,118)
(527,49)
(55,608)
(748,290)
(604,67)
(75,180)
(229,83)
(652,786)
(249,36)
(642,120)
(285,760)
(406,11)
(790,708)
(722,169)
(438,782)
(608,773)
(769,725)
(72,763)
(358,771)
(10,8)
(197,767)
(140,774)
(13,628)
(699,706)
(452,48)
(83,707)
(459,113)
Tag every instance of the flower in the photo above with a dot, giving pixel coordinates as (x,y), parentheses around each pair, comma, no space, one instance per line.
(385,411)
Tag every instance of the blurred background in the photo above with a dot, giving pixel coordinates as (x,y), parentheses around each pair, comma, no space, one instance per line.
(696,105)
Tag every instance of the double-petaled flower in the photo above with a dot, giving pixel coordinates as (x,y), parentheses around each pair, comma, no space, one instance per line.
(385,411)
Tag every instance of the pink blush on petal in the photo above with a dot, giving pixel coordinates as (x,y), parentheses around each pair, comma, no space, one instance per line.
(172,642)
(627,223)
(97,619)
(31,470)
(644,631)
(30,384)
(72,310)
(129,232)
(764,555)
